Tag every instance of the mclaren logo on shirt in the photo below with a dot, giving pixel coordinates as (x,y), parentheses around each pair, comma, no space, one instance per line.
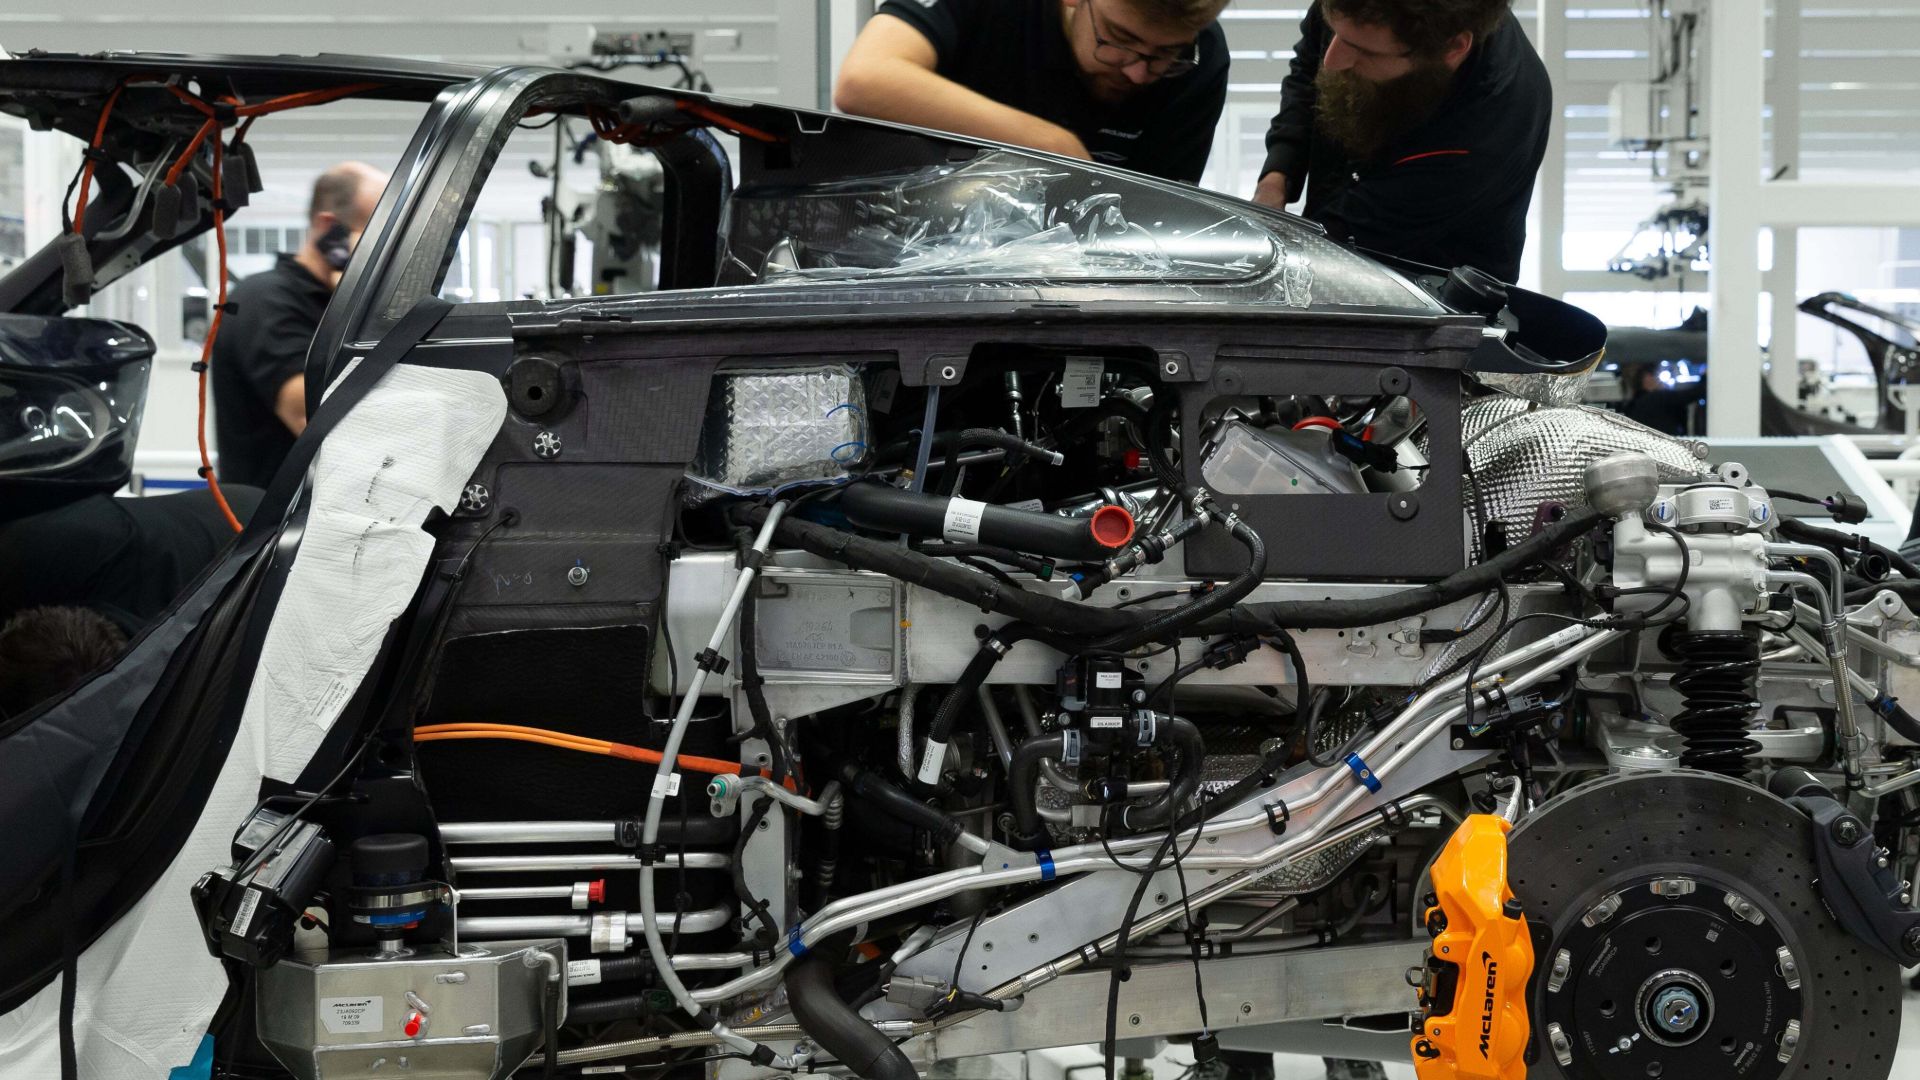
(1486,1009)
(1118,134)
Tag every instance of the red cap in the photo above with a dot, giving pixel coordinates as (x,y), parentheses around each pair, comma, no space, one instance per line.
(1112,526)
(412,1027)
(1131,459)
(596,891)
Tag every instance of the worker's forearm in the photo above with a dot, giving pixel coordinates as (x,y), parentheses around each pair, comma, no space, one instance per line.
(909,94)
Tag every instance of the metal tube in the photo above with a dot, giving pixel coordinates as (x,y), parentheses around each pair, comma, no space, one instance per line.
(1851,743)
(704,921)
(518,892)
(1572,644)
(777,792)
(996,729)
(528,832)
(519,864)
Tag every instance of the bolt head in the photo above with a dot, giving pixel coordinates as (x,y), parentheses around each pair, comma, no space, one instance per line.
(1847,831)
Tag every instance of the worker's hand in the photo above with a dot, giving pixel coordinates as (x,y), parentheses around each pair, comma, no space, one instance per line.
(1060,141)
(1272,191)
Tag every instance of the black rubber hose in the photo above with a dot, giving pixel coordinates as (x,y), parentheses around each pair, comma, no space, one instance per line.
(1023,774)
(883,508)
(1180,734)
(832,1023)
(754,907)
(945,578)
(899,804)
(702,831)
(1845,544)
(626,968)
(607,1010)
(1339,614)
(964,439)
(966,689)
(1170,623)
(1897,718)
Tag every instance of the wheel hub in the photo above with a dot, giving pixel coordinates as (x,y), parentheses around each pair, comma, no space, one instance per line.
(1634,985)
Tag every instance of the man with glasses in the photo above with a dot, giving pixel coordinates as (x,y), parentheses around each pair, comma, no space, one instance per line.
(1416,128)
(1134,83)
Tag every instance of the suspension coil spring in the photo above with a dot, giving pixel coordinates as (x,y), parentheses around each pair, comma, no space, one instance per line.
(1716,685)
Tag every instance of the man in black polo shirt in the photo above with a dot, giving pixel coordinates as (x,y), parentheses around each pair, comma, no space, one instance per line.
(1134,83)
(260,358)
(1416,128)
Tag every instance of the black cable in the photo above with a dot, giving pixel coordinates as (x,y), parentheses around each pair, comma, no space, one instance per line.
(756,907)
(965,943)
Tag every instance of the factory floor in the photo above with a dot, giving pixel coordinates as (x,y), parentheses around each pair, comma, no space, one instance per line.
(1057,1064)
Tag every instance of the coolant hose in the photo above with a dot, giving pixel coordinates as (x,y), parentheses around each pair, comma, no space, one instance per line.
(899,804)
(1181,734)
(1845,544)
(834,1024)
(889,509)
(965,690)
(1023,777)
(1171,623)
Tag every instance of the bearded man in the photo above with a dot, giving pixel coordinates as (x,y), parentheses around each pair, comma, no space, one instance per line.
(1416,128)
(1134,83)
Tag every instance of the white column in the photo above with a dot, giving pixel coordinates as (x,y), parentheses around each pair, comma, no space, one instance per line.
(1784,95)
(1550,191)
(1735,83)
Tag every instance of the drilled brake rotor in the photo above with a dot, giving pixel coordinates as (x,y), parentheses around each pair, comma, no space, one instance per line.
(1678,933)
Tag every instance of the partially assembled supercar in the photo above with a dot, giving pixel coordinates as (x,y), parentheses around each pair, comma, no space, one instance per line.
(976,601)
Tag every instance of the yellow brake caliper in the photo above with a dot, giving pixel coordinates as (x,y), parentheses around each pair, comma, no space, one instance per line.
(1473,1004)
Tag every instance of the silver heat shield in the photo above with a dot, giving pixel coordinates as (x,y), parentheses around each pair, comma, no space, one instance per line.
(1525,455)
(768,430)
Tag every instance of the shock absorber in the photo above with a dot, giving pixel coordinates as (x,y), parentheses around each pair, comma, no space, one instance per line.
(1716,685)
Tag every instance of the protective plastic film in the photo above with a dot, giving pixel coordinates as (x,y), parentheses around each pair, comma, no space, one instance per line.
(1008,219)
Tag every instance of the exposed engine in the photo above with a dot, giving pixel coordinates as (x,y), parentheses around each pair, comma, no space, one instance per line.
(1046,703)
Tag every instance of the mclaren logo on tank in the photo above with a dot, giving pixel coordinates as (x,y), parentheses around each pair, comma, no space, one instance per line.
(1486,1008)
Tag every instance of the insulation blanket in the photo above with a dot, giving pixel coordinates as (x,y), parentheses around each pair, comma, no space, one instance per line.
(147,988)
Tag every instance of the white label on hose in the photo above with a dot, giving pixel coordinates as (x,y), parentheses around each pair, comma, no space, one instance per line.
(1104,722)
(583,973)
(933,761)
(666,784)
(243,916)
(963,520)
(353,1015)
(1080,382)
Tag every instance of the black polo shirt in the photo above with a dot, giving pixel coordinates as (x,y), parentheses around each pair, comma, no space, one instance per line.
(1452,192)
(262,344)
(1016,52)
(127,558)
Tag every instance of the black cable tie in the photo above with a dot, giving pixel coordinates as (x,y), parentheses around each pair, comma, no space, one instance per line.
(197,367)
(222,205)
(650,854)
(753,560)
(1278,823)
(227,113)
(1393,815)
(709,661)
(97,155)
(762,1055)
(204,471)
(228,308)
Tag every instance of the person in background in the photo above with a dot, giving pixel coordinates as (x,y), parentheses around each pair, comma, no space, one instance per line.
(1134,83)
(260,358)
(1415,127)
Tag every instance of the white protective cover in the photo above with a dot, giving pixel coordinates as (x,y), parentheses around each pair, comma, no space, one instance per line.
(148,988)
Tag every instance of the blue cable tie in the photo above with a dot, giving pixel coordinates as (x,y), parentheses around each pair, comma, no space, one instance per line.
(1361,772)
(794,944)
(1046,864)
